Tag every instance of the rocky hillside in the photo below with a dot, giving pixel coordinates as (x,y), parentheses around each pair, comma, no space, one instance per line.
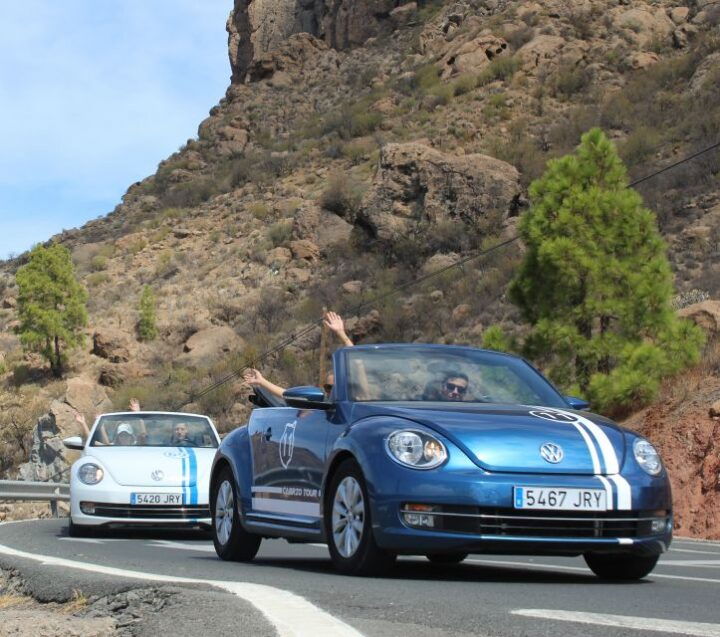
(361,143)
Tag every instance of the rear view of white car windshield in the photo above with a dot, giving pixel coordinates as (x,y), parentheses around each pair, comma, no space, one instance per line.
(153,430)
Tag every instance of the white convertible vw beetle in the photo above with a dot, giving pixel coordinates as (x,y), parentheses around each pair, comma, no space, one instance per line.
(142,468)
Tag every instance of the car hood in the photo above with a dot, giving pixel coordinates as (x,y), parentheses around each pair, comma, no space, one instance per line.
(509,438)
(154,466)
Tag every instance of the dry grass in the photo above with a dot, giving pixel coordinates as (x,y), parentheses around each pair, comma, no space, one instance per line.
(78,602)
(10,601)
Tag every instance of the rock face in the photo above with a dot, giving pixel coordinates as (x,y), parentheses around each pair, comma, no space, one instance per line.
(209,345)
(47,455)
(705,315)
(257,27)
(111,344)
(416,186)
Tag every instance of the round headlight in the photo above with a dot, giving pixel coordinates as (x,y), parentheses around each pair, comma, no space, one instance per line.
(90,473)
(647,457)
(416,449)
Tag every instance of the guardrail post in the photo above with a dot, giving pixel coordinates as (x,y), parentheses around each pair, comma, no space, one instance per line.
(54,508)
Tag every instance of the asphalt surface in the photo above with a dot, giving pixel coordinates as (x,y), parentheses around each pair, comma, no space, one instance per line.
(485,595)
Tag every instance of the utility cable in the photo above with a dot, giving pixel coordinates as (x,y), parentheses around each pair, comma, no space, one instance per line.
(412,283)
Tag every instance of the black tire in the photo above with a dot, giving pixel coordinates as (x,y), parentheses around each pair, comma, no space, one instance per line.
(80,530)
(446,558)
(368,558)
(235,544)
(621,566)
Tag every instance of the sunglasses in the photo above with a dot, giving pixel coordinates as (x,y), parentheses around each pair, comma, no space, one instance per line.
(451,387)
(328,388)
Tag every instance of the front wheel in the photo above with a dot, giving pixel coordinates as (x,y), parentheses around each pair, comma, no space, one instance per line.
(232,542)
(621,566)
(348,526)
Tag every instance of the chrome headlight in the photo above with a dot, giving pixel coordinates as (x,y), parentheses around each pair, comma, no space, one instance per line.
(647,457)
(90,473)
(416,449)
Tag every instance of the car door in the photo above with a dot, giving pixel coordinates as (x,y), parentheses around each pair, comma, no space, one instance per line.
(289,449)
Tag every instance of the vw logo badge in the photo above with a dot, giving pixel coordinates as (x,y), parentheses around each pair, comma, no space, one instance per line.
(157,475)
(551,452)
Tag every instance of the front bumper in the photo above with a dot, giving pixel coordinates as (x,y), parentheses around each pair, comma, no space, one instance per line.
(112,507)
(474,513)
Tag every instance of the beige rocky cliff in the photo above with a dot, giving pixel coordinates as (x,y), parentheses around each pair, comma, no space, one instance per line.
(258,27)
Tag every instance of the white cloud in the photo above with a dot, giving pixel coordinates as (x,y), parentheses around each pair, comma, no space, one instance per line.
(95,93)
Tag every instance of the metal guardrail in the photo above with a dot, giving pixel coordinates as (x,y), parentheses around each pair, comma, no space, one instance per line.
(37,491)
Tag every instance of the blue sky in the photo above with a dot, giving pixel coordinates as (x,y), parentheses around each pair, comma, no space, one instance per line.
(93,94)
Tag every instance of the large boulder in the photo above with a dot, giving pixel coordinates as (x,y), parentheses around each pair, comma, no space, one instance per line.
(111,344)
(705,314)
(82,395)
(471,56)
(209,345)
(416,186)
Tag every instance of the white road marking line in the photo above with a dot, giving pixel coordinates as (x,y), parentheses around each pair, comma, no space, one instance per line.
(677,550)
(201,548)
(290,614)
(696,541)
(703,563)
(587,571)
(699,629)
(90,540)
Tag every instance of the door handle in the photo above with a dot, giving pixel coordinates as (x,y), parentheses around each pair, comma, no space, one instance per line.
(268,434)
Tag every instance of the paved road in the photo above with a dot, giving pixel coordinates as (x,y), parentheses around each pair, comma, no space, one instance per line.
(498,596)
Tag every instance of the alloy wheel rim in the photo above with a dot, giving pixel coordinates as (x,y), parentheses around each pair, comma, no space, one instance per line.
(224,511)
(348,517)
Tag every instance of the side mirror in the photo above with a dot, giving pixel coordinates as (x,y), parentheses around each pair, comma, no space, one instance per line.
(74,442)
(306,398)
(577,403)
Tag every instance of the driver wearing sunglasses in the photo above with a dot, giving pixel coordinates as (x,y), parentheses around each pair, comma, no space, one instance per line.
(454,386)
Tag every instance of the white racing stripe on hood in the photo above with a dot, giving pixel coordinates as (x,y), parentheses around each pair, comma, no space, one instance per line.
(624,492)
(591,448)
(610,459)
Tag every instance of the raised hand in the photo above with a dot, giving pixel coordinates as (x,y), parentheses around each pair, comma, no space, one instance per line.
(335,323)
(253,377)
(134,404)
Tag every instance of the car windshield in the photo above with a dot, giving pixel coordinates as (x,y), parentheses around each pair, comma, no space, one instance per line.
(431,374)
(153,430)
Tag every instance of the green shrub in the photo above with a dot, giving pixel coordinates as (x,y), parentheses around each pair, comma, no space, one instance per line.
(569,80)
(97,278)
(259,210)
(165,266)
(639,146)
(501,68)
(342,196)
(464,84)
(98,262)
(496,106)
(280,233)
(146,326)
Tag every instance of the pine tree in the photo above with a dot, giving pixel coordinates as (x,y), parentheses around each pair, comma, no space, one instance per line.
(147,330)
(51,305)
(595,283)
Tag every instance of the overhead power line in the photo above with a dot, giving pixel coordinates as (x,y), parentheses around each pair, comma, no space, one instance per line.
(194,396)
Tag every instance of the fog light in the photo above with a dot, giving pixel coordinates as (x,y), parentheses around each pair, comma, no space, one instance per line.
(658,525)
(88,508)
(417,515)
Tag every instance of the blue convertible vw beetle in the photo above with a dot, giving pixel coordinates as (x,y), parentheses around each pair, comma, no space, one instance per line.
(440,451)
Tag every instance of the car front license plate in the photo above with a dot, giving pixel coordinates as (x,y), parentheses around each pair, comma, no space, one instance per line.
(156,498)
(559,499)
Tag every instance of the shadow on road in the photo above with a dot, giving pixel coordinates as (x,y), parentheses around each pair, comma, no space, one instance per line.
(417,570)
